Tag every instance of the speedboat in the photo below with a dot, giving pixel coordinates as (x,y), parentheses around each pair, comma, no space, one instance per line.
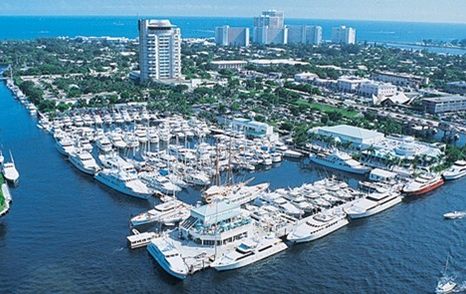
(423,184)
(339,161)
(168,257)
(372,204)
(124,182)
(317,226)
(85,162)
(454,214)
(248,252)
(457,171)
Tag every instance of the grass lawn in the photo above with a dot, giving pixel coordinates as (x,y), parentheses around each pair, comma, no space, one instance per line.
(325,108)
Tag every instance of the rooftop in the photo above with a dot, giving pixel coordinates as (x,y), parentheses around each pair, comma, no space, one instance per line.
(216,212)
(449,98)
(352,131)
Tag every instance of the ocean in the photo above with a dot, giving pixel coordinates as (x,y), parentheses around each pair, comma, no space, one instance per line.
(66,232)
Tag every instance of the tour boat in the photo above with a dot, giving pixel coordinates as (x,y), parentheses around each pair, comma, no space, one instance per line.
(339,161)
(317,226)
(85,162)
(457,171)
(372,204)
(423,184)
(168,257)
(124,182)
(248,252)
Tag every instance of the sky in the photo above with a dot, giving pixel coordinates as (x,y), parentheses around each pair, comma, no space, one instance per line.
(395,10)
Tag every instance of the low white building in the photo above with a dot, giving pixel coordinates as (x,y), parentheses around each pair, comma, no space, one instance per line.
(349,83)
(229,64)
(270,62)
(252,128)
(378,89)
(305,77)
(400,79)
(358,137)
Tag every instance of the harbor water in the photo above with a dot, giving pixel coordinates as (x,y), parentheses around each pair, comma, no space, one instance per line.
(66,233)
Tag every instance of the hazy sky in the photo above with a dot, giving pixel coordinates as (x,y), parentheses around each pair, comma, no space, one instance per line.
(401,10)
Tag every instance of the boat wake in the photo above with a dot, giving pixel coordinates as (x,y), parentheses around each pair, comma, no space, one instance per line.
(117,250)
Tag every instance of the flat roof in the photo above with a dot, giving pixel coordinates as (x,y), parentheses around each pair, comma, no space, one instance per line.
(216,212)
(450,98)
(276,61)
(352,131)
(229,62)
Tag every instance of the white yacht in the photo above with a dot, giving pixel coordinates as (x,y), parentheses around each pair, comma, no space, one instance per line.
(318,226)
(372,204)
(10,172)
(340,161)
(168,213)
(159,183)
(65,146)
(85,162)
(118,142)
(124,182)
(457,171)
(248,252)
(104,144)
(168,257)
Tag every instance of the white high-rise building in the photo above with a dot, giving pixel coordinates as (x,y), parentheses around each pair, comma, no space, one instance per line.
(343,35)
(269,28)
(159,50)
(302,34)
(232,36)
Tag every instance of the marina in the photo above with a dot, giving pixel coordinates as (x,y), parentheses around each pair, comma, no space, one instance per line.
(106,199)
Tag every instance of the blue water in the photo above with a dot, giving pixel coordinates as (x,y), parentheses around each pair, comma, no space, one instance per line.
(30,27)
(66,234)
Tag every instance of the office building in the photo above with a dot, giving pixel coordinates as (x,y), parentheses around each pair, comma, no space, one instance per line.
(378,89)
(343,35)
(456,88)
(444,104)
(400,79)
(159,50)
(232,36)
(269,28)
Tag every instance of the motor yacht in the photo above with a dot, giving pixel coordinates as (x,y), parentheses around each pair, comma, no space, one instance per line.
(339,161)
(124,182)
(167,213)
(85,162)
(423,184)
(457,171)
(168,257)
(374,203)
(104,144)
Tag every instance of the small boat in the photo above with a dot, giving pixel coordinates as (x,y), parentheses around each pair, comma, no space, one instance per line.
(455,214)
(139,240)
(10,172)
(446,283)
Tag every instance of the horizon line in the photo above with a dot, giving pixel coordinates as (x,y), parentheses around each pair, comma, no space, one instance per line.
(223,16)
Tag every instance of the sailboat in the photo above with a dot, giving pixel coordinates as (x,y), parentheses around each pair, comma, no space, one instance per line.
(446,284)
(10,172)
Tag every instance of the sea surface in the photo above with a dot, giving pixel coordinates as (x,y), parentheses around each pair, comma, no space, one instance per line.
(66,234)
(396,33)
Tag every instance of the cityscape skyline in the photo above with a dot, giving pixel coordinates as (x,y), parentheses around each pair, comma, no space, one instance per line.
(449,11)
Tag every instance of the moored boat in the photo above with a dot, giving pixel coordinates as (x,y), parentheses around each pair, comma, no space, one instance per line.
(374,203)
(168,257)
(339,161)
(423,184)
(457,171)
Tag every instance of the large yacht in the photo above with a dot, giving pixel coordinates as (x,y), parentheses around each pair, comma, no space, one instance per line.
(85,162)
(340,161)
(423,184)
(124,182)
(168,213)
(317,226)
(168,257)
(10,172)
(248,252)
(159,183)
(104,144)
(372,204)
(65,146)
(238,193)
(457,171)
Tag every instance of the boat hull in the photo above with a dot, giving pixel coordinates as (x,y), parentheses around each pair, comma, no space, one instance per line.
(308,238)
(125,191)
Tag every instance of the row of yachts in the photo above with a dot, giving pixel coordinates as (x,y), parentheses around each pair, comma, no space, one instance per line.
(248,225)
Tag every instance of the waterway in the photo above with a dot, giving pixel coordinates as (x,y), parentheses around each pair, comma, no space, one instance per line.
(66,233)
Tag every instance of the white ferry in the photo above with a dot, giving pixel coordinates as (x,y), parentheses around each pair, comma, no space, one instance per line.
(317,226)
(249,252)
(340,161)
(372,204)
(168,257)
